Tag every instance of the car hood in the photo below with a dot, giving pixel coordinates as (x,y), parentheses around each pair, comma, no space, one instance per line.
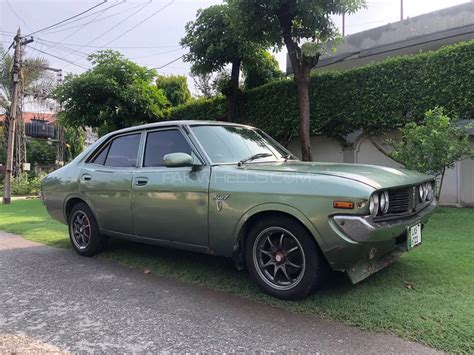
(375,176)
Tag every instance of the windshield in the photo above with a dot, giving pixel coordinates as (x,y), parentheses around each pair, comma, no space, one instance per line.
(231,144)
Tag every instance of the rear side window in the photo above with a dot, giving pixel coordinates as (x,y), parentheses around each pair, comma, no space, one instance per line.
(160,143)
(121,152)
(100,158)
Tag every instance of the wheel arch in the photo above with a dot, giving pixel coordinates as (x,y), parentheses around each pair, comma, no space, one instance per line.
(73,200)
(263,211)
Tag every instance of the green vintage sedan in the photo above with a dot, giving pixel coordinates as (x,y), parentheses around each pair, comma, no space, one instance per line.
(231,190)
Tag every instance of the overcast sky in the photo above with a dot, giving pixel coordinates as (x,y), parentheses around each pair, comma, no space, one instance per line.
(148,32)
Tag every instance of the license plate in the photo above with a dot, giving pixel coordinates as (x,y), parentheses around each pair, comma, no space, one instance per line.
(414,236)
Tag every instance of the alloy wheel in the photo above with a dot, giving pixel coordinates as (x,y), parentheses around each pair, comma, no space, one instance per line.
(80,230)
(279,258)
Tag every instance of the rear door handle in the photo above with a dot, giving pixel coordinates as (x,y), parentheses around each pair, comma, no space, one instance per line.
(141,181)
(86,177)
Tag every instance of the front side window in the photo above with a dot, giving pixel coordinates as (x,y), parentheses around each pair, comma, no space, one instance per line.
(230,144)
(160,143)
(122,152)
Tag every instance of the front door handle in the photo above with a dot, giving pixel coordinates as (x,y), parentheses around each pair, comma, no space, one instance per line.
(141,181)
(86,177)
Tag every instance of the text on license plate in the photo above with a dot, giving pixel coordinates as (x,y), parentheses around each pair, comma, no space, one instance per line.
(414,235)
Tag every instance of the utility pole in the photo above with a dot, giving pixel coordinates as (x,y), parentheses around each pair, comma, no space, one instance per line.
(343,24)
(16,76)
(401,10)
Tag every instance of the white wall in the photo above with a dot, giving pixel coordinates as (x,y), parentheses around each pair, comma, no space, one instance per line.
(458,186)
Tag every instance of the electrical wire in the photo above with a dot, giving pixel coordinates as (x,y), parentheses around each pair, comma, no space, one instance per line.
(100,19)
(54,56)
(17,16)
(141,22)
(99,13)
(113,27)
(157,54)
(118,47)
(68,19)
(8,50)
(173,61)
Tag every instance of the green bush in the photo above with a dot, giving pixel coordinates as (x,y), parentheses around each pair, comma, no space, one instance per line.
(24,184)
(373,98)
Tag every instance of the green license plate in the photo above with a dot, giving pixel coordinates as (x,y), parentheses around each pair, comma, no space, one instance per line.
(414,236)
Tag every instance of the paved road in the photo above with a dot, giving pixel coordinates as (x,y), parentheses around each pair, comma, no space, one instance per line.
(52,299)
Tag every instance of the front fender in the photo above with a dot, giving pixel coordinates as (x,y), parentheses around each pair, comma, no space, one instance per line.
(276,207)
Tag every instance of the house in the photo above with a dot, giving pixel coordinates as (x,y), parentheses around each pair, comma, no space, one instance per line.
(426,32)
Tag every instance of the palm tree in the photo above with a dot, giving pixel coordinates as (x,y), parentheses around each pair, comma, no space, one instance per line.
(33,73)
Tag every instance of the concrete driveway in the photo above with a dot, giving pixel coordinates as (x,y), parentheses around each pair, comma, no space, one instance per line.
(54,300)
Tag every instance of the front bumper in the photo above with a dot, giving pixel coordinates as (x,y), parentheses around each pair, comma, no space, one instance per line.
(367,246)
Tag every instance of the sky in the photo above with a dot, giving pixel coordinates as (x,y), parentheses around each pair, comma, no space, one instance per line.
(147,32)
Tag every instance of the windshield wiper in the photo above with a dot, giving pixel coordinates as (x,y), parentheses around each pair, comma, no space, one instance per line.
(286,157)
(253,157)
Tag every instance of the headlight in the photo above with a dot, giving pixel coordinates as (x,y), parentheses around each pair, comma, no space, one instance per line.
(429,191)
(374,204)
(384,204)
(422,192)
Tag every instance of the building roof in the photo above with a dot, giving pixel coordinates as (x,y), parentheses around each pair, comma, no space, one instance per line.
(421,33)
(28,116)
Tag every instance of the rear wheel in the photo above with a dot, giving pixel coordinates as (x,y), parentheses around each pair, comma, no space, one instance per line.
(283,259)
(84,232)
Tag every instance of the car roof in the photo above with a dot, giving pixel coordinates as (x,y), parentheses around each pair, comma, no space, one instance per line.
(177,123)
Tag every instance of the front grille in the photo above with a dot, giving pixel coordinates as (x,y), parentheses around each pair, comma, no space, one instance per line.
(400,200)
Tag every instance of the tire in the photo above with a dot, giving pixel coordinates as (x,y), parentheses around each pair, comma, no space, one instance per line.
(301,267)
(84,231)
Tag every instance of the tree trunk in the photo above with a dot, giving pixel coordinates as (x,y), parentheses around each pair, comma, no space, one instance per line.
(304,117)
(233,96)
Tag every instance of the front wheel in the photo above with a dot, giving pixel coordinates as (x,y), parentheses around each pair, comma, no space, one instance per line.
(84,232)
(283,258)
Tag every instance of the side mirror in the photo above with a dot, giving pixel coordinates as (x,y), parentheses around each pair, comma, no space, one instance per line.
(175,160)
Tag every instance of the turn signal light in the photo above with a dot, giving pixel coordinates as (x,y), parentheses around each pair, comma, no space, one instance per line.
(343,204)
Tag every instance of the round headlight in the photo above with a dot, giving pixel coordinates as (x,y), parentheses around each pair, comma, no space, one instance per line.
(429,191)
(384,202)
(374,204)
(422,192)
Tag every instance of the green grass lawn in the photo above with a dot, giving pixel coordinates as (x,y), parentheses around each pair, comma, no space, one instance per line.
(427,296)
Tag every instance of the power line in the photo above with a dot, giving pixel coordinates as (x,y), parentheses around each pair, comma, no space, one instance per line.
(141,22)
(165,65)
(156,54)
(118,47)
(69,18)
(17,16)
(94,19)
(100,19)
(6,52)
(54,56)
(113,27)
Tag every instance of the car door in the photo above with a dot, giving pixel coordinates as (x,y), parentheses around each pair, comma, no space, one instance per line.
(106,181)
(170,203)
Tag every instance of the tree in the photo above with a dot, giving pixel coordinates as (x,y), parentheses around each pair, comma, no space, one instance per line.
(261,69)
(116,93)
(40,152)
(175,88)
(202,83)
(216,39)
(33,74)
(432,146)
(304,27)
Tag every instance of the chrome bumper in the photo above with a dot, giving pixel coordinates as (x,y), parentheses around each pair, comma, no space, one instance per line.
(363,229)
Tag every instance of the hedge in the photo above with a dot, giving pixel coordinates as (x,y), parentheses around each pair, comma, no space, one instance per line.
(374,98)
